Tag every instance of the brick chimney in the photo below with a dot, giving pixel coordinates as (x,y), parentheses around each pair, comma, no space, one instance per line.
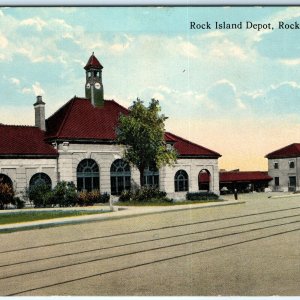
(39,107)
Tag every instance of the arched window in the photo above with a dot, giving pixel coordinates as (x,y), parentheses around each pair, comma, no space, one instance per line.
(151,176)
(5,180)
(88,175)
(120,177)
(181,181)
(40,178)
(204,179)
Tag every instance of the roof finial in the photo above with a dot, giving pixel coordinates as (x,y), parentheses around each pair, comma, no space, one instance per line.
(93,53)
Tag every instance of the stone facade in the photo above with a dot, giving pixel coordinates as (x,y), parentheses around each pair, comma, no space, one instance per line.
(20,171)
(285,174)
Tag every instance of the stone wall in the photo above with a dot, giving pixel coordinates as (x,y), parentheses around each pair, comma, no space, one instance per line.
(283,172)
(21,170)
(70,155)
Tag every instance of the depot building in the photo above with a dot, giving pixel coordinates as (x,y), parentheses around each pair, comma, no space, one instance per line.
(78,143)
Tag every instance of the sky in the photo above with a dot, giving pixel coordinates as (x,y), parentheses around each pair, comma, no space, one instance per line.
(235,91)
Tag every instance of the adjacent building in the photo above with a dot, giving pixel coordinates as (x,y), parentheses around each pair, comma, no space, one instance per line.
(284,167)
(78,143)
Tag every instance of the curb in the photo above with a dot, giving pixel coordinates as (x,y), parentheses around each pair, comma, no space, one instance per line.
(102,217)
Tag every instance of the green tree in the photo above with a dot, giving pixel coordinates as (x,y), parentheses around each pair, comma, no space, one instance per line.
(142,132)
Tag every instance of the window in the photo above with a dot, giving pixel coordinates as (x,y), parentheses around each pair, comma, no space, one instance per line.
(120,177)
(276,165)
(204,180)
(40,178)
(291,164)
(181,181)
(292,181)
(276,181)
(88,175)
(151,176)
(5,179)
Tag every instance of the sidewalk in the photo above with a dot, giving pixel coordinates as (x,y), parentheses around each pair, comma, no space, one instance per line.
(118,213)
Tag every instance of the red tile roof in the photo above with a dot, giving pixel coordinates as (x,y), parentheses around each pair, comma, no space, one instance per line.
(292,150)
(93,63)
(24,141)
(187,148)
(78,119)
(243,176)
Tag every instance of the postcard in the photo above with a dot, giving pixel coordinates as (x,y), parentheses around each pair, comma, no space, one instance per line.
(149,150)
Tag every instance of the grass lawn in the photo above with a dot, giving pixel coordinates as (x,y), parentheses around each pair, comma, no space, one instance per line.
(19,217)
(137,203)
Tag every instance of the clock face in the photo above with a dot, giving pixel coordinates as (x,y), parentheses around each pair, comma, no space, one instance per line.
(88,86)
(97,85)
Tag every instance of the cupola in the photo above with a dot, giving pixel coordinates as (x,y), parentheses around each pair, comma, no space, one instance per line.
(93,85)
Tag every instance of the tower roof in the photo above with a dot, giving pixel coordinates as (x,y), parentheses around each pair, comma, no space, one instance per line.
(93,63)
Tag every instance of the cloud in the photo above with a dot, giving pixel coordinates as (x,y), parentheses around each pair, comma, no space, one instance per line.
(225,49)
(278,99)
(3,41)
(223,96)
(290,62)
(14,81)
(188,49)
(212,35)
(37,89)
(36,22)
(26,90)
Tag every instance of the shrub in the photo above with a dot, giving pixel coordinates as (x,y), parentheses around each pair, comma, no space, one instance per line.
(144,194)
(125,196)
(104,198)
(18,202)
(90,198)
(40,195)
(201,196)
(64,194)
(6,195)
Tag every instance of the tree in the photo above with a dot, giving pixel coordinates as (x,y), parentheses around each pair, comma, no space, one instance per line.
(6,194)
(142,132)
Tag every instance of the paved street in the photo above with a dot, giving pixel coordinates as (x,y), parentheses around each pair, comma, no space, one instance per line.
(246,249)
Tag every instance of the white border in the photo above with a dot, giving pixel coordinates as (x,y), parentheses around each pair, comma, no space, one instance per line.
(146,2)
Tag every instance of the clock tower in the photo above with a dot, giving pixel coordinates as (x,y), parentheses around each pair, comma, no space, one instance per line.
(93,85)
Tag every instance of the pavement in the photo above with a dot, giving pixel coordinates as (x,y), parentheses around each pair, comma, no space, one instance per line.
(117,212)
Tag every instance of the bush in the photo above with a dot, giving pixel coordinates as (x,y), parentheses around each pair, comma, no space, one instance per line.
(144,194)
(104,198)
(6,195)
(64,194)
(90,198)
(125,196)
(18,202)
(201,196)
(40,195)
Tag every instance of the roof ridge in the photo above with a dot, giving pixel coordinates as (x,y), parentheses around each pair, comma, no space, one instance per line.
(112,100)
(193,143)
(71,103)
(14,125)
